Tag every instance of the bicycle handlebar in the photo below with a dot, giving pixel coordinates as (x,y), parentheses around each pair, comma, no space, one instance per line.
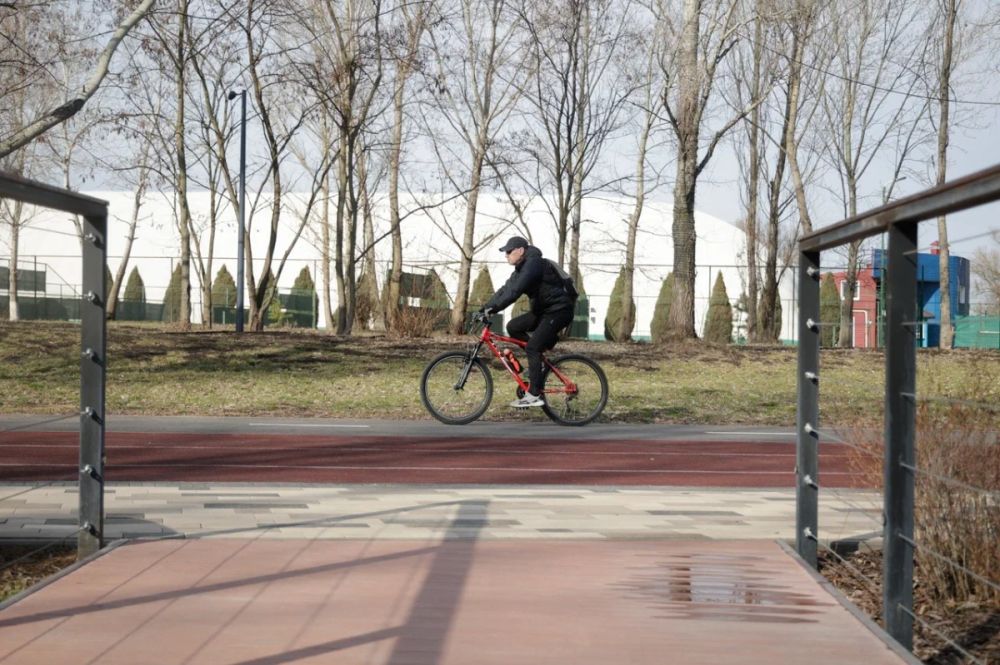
(483,317)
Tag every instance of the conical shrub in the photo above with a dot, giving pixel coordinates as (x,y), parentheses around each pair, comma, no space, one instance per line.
(223,289)
(829,310)
(661,313)
(303,301)
(172,297)
(135,288)
(616,328)
(365,302)
(719,323)
(482,289)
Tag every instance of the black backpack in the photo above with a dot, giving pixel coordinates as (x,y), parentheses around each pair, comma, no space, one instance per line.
(569,286)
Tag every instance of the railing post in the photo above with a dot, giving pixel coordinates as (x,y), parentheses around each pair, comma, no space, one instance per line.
(806,452)
(900,425)
(92,375)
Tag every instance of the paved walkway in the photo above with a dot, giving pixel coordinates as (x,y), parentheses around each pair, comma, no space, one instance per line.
(261,574)
(438,601)
(238,510)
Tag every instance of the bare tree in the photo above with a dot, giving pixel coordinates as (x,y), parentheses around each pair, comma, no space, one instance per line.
(704,38)
(781,31)
(410,25)
(352,60)
(986,262)
(477,80)
(71,106)
(871,105)
(576,101)
(142,177)
(649,90)
(948,15)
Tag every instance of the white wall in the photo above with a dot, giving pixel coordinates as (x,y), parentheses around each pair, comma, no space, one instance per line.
(429,241)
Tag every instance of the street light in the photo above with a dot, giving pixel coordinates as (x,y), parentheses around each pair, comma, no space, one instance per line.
(243,188)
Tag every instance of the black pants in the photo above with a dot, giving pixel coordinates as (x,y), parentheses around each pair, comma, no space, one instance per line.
(544,332)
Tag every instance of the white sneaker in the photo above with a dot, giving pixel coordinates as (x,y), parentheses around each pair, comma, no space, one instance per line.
(528,400)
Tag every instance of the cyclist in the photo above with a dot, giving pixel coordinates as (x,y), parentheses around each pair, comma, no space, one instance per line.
(551,309)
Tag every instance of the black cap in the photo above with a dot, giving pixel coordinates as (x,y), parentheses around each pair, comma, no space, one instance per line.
(514,243)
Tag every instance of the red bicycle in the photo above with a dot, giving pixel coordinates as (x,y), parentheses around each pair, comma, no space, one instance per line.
(457,386)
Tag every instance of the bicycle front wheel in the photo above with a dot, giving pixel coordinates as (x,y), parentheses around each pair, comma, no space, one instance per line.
(450,394)
(576,390)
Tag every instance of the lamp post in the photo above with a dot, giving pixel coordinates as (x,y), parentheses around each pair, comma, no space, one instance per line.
(242,211)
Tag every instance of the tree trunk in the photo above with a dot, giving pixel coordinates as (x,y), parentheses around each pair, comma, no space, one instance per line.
(375,317)
(325,255)
(944,258)
(392,304)
(13,310)
(338,242)
(681,322)
(802,26)
(184,219)
(753,187)
(846,337)
(468,238)
(116,286)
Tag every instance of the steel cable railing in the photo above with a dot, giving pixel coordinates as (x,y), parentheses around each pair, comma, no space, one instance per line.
(947,639)
(939,506)
(50,543)
(951,562)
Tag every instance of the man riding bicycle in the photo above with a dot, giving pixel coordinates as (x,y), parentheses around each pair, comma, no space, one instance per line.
(552,305)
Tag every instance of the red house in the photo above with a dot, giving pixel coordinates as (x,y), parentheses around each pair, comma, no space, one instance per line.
(865,306)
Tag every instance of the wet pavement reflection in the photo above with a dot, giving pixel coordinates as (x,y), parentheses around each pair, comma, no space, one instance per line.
(720,587)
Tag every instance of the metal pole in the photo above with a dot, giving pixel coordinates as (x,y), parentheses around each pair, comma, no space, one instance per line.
(806,449)
(92,381)
(900,425)
(243,192)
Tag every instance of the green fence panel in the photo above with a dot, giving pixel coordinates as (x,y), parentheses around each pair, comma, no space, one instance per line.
(580,328)
(977,332)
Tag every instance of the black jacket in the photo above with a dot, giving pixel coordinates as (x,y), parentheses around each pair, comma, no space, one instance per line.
(537,278)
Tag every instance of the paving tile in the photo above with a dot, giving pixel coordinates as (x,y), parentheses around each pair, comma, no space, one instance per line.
(440,601)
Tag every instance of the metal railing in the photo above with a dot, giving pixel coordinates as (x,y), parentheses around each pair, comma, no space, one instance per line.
(899,220)
(93,345)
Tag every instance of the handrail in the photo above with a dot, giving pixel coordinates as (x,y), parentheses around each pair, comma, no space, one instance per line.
(959,194)
(41,194)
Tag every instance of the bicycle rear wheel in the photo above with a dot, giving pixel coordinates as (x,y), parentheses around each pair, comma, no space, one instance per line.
(576,390)
(450,399)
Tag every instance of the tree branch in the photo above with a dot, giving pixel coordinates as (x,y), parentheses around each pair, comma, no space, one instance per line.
(69,108)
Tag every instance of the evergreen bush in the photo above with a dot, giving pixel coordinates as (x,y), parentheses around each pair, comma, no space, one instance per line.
(223,289)
(435,292)
(482,289)
(132,306)
(615,328)
(172,297)
(365,304)
(719,323)
(135,288)
(303,303)
(829,310)
(661,313)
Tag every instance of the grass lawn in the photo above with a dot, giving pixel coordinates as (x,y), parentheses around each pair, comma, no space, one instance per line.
(158,371)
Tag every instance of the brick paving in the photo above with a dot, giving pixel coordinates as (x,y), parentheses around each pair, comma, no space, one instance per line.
(443,600)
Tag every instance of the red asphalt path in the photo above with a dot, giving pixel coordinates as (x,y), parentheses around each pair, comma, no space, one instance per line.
(180,457)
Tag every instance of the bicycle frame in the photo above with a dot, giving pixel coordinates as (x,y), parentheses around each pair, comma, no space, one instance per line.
(490,339)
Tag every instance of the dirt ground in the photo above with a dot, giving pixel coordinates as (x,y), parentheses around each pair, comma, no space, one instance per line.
(974,626)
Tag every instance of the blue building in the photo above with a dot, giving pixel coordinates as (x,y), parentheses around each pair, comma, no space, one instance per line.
(929,290)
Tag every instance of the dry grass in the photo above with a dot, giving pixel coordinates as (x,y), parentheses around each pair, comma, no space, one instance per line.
(159,371)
